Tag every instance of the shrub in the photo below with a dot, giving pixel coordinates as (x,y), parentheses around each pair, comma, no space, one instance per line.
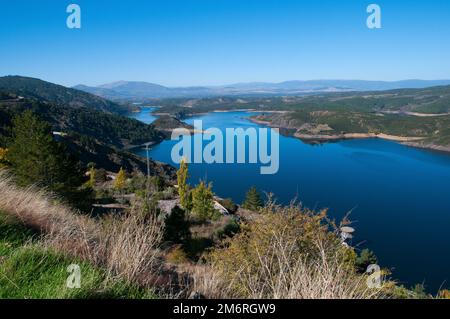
(229,230)
(177,255)
(288,252)
(365,258)
(444,294)
(229,205)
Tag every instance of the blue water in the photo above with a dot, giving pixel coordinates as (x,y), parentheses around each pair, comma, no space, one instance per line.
(145,115)
(399,196)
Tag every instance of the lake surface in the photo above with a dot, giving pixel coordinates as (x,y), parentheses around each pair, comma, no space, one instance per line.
(399,196)
(145,115)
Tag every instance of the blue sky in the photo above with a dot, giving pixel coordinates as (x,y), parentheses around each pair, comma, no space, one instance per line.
(210,42)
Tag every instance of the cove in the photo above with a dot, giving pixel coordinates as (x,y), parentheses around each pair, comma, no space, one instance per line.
(399,197)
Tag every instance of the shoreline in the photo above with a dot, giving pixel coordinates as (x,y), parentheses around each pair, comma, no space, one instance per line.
(404,140)
(354,136)
(250,110)
(416,113)
(429,147)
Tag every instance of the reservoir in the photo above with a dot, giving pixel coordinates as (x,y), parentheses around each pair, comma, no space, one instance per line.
(398,196)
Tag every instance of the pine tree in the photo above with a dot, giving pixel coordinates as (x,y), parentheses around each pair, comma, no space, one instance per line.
(176,227)
(183,186)
(253,199)
(121,180)
(203,202)
(36,158)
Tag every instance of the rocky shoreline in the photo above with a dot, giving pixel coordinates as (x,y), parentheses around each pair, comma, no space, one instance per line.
(429,146)
(321,138)
(351,136)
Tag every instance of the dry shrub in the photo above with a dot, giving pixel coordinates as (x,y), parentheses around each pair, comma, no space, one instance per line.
(127,246)
(444,294)
(177,255)
(206,281)
(131,246)
(289,252)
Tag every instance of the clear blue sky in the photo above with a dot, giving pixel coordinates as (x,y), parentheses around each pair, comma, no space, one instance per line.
(208,42)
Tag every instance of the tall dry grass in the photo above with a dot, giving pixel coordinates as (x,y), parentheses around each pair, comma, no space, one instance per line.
(287,253)
(127,247)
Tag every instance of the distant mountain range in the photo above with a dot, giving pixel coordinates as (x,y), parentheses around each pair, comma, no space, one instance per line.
(130,90)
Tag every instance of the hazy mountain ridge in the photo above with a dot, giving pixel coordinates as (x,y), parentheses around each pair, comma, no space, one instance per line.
(131,90)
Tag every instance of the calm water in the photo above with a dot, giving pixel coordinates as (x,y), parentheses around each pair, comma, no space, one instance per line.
(145,115)
(399,196)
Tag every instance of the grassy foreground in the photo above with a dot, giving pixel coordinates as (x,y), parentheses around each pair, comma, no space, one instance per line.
(279,252)
(30,271)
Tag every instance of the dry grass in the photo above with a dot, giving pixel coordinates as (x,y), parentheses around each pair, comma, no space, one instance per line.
(127,247)
(132,246)
(206,281)
(288,253)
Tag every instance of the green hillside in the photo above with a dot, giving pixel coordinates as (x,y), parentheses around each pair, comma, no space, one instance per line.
(91,133)
(38,90)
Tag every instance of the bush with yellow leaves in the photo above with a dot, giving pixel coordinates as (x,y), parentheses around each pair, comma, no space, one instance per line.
(289,252)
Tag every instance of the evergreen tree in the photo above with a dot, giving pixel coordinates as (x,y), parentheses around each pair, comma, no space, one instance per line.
(36,158)
(253,199)
(121,180)
(183,187)
(176,229)
(203,202)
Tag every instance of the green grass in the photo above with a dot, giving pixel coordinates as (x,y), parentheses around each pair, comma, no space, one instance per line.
(12,235)
(28,271)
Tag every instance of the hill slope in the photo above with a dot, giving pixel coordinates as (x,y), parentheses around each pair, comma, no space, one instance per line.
(92,135)
(35,89)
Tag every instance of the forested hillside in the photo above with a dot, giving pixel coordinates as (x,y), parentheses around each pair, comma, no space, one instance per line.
(46,92)
(90,132)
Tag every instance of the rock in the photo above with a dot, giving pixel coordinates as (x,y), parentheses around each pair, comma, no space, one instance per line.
(220,208)
(166,206)
(196,295)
